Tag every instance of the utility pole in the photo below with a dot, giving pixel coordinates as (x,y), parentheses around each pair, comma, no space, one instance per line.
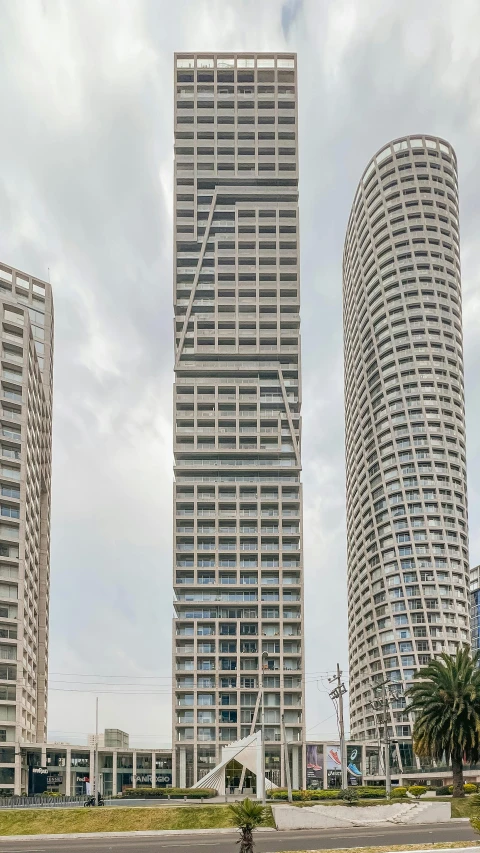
(96,791)
(390,690)
(264,665)
(388,782)
(287,762)
(337,693)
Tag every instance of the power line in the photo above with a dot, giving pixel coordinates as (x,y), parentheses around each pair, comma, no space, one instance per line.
(162,677)
(320,722)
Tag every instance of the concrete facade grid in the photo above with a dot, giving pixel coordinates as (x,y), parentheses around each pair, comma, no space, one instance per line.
(475,608)
(408,573)
(26,423)
(238,567)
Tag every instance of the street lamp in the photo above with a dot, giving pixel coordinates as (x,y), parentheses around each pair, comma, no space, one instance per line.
(390,691)
(264,667)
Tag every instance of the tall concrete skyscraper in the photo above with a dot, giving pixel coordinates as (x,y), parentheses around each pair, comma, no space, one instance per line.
(408,571)
(26,423)
(238,570)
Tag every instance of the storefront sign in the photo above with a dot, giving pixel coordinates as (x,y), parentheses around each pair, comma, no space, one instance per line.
(314,766)
(333,758)
(37,780)
(354,765)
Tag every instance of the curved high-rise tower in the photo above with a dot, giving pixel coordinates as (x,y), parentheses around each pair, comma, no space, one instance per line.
(405,423)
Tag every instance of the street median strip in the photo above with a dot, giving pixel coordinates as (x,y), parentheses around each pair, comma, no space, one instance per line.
(458,846)
(67,822)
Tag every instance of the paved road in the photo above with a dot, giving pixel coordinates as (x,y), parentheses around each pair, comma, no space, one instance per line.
(268,842)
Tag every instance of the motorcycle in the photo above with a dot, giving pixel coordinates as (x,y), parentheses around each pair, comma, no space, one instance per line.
(90,802)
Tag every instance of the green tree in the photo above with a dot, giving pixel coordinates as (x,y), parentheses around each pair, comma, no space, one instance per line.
(247,815)
(445,699)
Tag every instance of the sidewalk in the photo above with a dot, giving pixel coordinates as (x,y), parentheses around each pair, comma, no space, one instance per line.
(154,833)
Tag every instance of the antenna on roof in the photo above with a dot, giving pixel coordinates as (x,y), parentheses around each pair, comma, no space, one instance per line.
(48,269)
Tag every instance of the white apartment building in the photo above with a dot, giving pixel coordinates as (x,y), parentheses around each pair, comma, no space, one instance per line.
(238,568)
(26,426)
(408,570)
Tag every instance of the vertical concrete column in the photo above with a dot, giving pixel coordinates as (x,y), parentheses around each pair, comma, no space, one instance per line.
(195,764)
(134,769)
(43,759)
(114,773)
(92,770)
(283,781)
(295,768)
(68,772)
(18,770)
(183,768)
(154,771)
(304,765)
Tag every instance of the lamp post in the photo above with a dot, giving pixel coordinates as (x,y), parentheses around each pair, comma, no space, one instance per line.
(96,777)
(390,691)
(264,659)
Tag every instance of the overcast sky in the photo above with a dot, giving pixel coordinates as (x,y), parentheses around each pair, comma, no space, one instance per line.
(86,95)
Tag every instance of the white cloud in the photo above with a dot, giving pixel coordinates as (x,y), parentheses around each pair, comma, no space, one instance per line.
(86,189)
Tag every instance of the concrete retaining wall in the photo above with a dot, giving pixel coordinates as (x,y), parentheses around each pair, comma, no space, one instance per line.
(324,817)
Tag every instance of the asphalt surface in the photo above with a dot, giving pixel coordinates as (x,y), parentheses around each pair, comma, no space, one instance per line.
(268,842)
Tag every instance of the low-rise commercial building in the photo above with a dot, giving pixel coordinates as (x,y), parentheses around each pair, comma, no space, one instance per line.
(68,768)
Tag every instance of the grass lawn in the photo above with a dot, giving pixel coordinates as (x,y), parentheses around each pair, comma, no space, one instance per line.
(438,846)
(463,807)
(58,820)
(360,803)
(383,802)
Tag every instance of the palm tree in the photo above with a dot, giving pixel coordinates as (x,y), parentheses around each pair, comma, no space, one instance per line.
(446,702)
(247,815)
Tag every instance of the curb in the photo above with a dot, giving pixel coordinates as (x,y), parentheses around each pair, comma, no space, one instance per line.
(151,833)
(441,850)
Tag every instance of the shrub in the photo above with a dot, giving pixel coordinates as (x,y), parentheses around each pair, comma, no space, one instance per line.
(475,801)
(317,794)
(469,788)
(350,796)
(164,793)
(442,791)
(417,790)
(326,794)
(323,794)
(360,793)
(371,793)
(399,791)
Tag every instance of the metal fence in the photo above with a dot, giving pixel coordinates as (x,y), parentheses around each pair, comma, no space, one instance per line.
(40,802)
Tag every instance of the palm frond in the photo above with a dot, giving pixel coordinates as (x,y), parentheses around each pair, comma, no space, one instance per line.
(445,700)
